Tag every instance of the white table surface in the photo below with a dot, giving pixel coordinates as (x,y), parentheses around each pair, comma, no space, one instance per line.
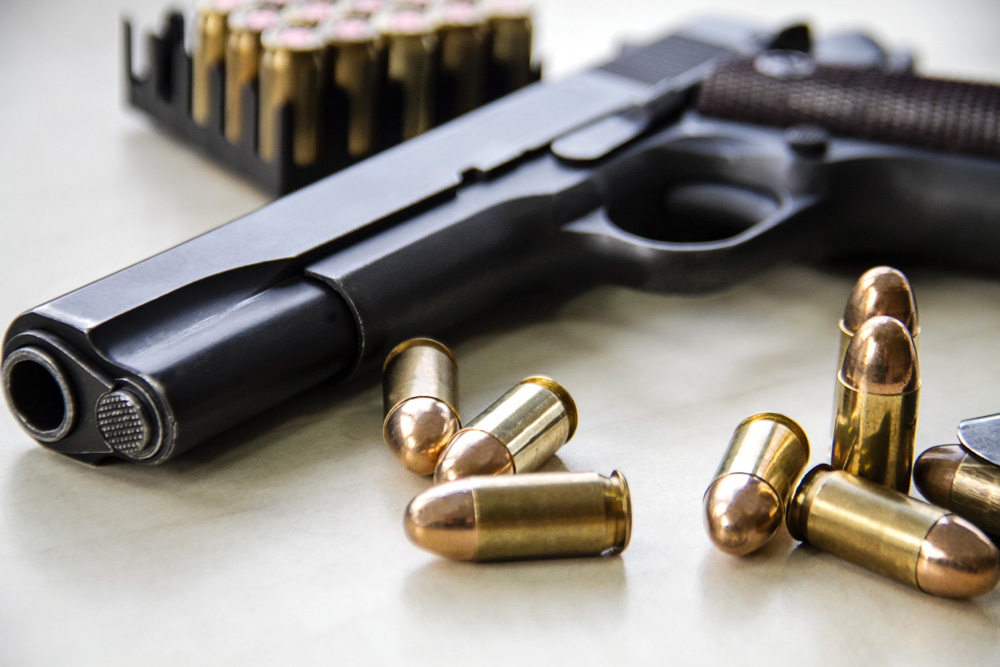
(281,542)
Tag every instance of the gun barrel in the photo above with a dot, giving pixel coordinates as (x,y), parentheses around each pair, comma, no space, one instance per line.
(146,392)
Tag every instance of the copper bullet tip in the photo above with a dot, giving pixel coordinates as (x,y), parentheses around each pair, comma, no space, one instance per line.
(473,452)
(957,560)
(881,291)
(881,359)
(742,512)
(934,472)
(417,430)
(442,520)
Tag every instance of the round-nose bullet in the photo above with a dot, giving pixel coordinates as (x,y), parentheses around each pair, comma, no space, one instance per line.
(745,503)
(880,291)
(742,513)
(934,472)
(420,391)
(954,478)
(544,515)
(877,415)
(957,560)
(893,534)
(518,433)
(417,430)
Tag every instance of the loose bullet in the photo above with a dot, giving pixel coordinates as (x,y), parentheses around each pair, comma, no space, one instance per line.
(877,415)
(890,533)
(545,515)
(953,478)
(518,433)
(745,504)
(420,395)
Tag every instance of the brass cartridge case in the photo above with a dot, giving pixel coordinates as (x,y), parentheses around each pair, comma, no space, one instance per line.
(545,515)
(890,533)
(411,48)
(511,30)
(208,51)
(243,51)
(877,415)
(357,55)
(518,433)
(462,31)
(954,478)
(420,396)
(745,503)
(292,71)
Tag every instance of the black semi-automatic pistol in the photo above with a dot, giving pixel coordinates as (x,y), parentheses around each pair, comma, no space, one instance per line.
(684,165)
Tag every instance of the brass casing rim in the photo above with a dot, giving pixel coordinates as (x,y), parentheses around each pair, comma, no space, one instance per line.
(568,403)
(626,512)
(796,506)
(414,342)
(778,418)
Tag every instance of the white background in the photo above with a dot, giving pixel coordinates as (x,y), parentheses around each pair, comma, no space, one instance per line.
(281,542)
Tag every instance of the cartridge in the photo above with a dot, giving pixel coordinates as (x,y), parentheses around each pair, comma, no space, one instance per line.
(544,515)
(420,396)
(292,71)
(877,415)
(411,49)
(745,503)
(357,54)
(953,478)
(462,31)
(890,533)
(208,51)
(243,51)
(519,432)
(511,28)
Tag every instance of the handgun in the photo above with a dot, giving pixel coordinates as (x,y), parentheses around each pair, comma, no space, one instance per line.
(683,165)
